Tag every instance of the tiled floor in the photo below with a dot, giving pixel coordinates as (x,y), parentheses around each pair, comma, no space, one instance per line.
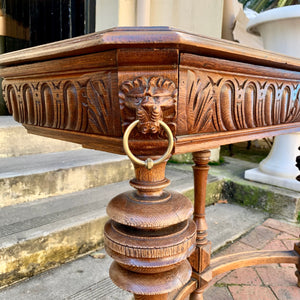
(263,282)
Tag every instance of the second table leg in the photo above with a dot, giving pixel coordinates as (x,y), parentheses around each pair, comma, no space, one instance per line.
(200,259)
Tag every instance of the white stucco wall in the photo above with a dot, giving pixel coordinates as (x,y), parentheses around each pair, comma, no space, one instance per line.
(113,13)
(196,16)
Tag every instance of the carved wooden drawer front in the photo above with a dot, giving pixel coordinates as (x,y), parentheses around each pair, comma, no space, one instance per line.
(203,92)
(226,96)
(71,95)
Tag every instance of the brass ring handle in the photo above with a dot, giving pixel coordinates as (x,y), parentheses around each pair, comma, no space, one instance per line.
(148,163)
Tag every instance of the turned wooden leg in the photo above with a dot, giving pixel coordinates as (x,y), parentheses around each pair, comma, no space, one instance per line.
(200,259)
(150,235)
(297,246)
(297,249)
(298,165)
(197,295)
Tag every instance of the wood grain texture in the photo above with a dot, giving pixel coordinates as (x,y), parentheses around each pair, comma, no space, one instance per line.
(230,262)
(209,92)
(138,251)
(148,100)
(154,37)
(75,95)
(297,273)
(186,290)
(150,235)
(148,286)
(82,104)
(148,88)
(198,142)
(200,258)
(219,98)
(297,245)
(171,208)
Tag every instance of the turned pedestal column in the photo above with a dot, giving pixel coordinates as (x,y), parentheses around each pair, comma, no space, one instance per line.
(200,92)
(150,235)
(297,245)
(200,259)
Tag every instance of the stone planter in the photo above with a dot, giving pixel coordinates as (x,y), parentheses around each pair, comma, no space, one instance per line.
(280,31)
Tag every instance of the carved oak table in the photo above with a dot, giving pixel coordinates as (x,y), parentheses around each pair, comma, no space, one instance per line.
(164,91)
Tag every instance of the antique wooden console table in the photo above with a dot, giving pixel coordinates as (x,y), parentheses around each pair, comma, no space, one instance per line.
(166,92)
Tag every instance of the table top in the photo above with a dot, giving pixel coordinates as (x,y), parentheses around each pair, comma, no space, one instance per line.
(150,37)
(209,92)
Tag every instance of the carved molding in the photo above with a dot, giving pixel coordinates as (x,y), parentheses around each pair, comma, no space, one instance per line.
(81,104)
(146,247)
(214,102)
(148,99)
(150,252)
(225,102)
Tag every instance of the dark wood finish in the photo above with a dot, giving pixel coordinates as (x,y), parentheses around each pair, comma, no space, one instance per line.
(298,165)
(221,96)
(186,290)
(297,273)
(209,92)
(156,38)
(297,245)
(234,261)
(106,91)
(200,259)
(150,236)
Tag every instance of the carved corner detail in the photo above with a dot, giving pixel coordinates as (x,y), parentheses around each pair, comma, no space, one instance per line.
(149,100)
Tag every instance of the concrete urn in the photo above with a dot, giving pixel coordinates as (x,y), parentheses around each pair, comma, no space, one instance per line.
(280,32)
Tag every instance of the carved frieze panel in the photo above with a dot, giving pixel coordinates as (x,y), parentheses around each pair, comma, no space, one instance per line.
(218,102)
(83,104)
(148,99)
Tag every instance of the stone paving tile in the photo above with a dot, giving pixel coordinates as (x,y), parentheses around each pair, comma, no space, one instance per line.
(246,276)
(235,248)
(251,293)
(217,293)
(277,276)
(217,278)
(265,282)
(259,237)
(275,245)
(288,239)
(286,292)
(288,266)
(282,226)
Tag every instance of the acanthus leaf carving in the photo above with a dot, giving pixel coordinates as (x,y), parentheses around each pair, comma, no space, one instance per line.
(200,103)
(225,102)
(81,104)
(99,105)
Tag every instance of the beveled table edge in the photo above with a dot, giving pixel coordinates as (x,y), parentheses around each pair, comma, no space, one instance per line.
(149,37)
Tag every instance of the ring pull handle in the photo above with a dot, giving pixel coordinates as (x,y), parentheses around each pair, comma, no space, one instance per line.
(148,163)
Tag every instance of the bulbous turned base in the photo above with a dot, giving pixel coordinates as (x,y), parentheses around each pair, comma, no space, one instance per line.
(150,236)
(147,284)
(150,251)
(157,212)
